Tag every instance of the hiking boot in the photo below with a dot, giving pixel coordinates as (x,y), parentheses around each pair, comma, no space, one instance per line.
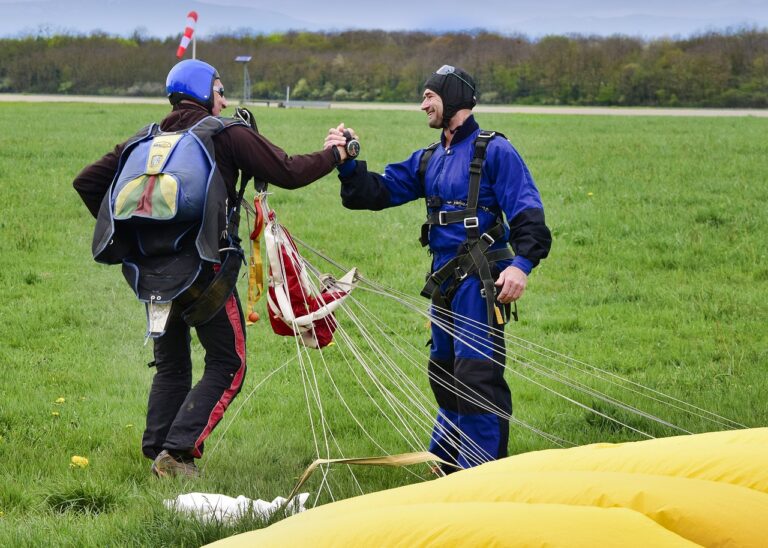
(167,465)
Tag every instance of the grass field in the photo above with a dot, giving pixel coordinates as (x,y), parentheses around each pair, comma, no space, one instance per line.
(659,272)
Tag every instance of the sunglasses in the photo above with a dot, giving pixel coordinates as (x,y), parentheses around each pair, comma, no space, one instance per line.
(220,91)
(448,69)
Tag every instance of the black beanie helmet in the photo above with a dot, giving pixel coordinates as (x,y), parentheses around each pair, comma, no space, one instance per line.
(455,87)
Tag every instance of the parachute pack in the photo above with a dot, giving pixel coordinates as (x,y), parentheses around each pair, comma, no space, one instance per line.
(164,180)
(297,308)
(164,215)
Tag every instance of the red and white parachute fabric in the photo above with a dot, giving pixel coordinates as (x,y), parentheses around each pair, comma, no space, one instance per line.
(296,307)
(188,32)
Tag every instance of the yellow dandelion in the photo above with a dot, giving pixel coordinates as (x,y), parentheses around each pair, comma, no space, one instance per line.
(78,462)
(60,400)
(54,413)
(129,425)
(590,193)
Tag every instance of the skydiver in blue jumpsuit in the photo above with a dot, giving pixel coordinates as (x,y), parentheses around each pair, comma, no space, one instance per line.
(466,360)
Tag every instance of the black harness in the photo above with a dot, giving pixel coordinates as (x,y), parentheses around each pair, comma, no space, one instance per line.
(215,295)
(474,256)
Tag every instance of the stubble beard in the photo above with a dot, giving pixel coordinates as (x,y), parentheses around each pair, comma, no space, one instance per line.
(435,122)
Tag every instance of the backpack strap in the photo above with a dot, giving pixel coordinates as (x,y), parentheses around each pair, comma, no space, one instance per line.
(215,295)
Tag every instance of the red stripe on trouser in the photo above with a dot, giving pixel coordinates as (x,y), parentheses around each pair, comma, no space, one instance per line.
(218,410)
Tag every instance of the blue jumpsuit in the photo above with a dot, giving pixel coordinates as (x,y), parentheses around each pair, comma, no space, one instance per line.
(466,365)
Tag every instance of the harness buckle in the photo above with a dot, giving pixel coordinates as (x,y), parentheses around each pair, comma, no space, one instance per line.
(441,218)
(471,222)
(488,239)
(460,274)
(483,293)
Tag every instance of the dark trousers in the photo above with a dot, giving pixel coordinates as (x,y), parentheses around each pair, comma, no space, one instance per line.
(466,374)
(179,417)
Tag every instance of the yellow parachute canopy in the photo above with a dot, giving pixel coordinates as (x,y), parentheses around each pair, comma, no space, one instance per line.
(699,490)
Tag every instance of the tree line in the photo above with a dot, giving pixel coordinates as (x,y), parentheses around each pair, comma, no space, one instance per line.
(715,69)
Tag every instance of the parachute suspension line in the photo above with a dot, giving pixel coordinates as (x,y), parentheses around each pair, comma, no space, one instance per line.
(410,437)
(426,418)
(480,402)
(457,332)
(497,411)
(451,388)
(326,427)
(407,299)
(568,362)
(450,436)
(406,386)
(313,428)
(602,374)
(380,355)
(394,402)
(308,373)
(349,409)
(392,383)
(450,328)
(397,407)
(460,333)
(243,401)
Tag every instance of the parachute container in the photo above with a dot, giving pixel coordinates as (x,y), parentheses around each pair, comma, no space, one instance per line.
(296,308)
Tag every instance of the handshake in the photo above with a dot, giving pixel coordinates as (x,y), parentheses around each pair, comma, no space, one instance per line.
(343,142)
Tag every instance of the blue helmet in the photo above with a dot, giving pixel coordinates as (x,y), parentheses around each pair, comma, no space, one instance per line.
(191,79)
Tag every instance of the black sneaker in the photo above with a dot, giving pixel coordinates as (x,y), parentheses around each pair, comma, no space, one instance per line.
(166,465)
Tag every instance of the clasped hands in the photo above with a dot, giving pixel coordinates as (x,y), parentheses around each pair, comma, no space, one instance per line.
(336,138)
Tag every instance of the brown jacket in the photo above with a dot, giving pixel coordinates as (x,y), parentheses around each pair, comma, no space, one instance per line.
(238,149)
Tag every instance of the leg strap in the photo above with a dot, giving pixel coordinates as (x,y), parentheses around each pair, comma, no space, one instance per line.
(218,291)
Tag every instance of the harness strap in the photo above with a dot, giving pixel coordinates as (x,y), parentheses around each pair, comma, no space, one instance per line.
(215,295)
(426,156)
(434,202)
(471,223)
(468,215)
(474,257)
(462,265)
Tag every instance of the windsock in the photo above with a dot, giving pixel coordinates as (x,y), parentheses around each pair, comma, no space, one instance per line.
(188,31)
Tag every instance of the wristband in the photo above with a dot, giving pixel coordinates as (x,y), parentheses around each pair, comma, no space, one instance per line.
(336,156)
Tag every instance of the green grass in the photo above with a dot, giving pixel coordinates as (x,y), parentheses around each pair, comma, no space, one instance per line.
(658,272)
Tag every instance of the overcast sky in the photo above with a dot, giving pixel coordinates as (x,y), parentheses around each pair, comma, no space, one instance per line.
(534,18)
